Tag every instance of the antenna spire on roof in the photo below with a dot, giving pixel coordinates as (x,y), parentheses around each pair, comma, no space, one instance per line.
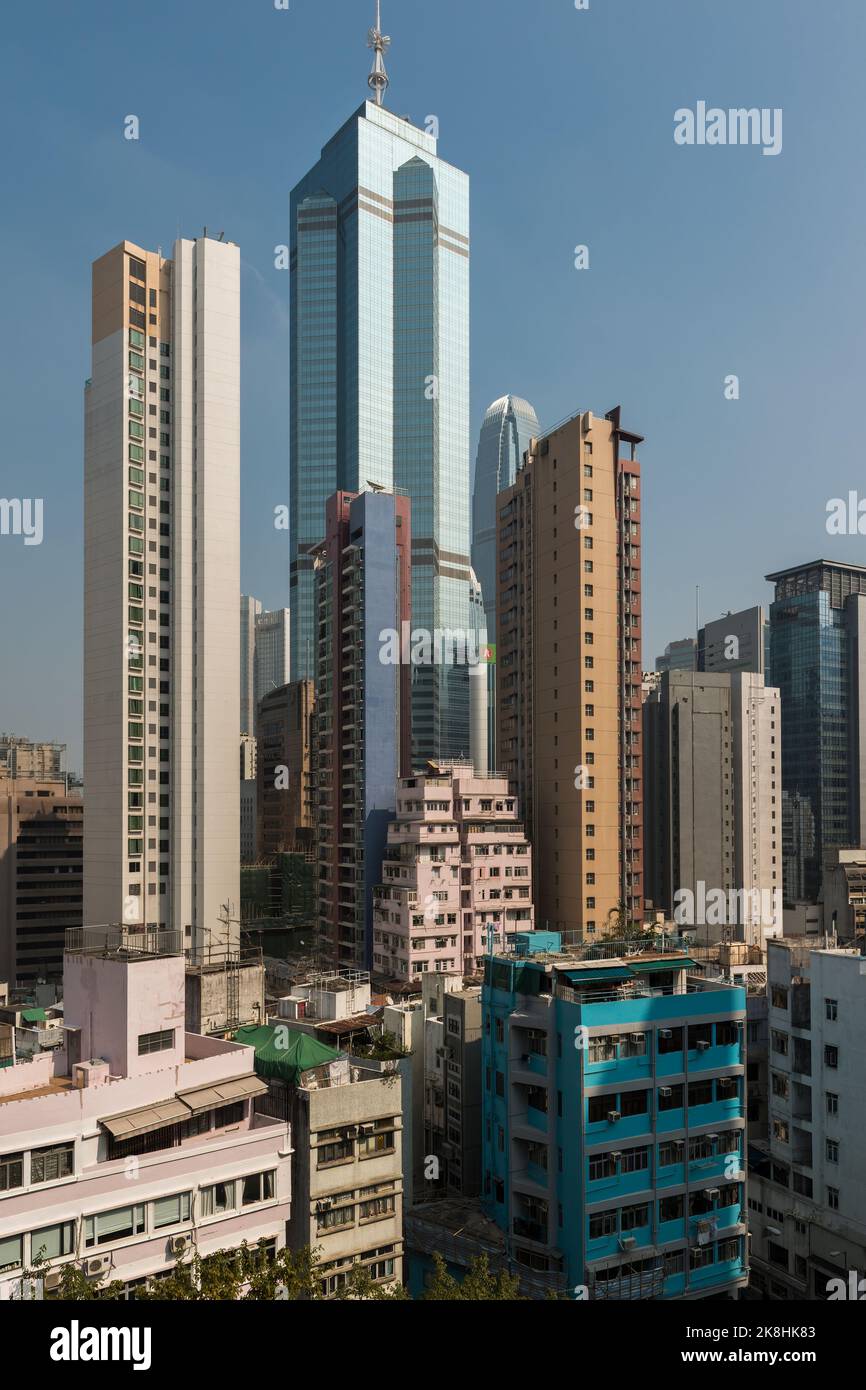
(380,43)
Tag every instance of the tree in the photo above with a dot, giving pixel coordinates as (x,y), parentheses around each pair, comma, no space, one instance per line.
(478,1285)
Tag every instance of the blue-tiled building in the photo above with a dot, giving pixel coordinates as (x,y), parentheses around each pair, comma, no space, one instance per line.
(614,1117)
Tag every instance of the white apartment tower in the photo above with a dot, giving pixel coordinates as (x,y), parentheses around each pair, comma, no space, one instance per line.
(161,584)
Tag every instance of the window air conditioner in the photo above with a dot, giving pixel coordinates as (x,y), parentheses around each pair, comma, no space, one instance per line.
(613,1116)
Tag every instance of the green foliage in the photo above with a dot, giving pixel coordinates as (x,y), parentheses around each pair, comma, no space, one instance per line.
(478,1286)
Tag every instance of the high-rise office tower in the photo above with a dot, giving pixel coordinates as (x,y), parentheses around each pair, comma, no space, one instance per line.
(712,804)
(568,656)
(818,662)
(480,713)
(271,669)
(284,772)
(508,426)
(250,610)
(737,642)
(161,585)
(681,655)
(379,264)
(363,591)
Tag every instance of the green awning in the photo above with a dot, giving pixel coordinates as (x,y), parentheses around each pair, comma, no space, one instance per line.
(651,967)
(614,975)
(284,1052)
(33,1015)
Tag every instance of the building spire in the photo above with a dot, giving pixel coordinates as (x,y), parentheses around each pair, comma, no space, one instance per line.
(379,42)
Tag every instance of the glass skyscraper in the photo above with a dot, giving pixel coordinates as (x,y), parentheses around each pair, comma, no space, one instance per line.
(379,270)
(818,661)
(506,430)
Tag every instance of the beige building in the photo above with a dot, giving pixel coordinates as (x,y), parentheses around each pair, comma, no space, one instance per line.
(162,578)
(21,757)
(569,669)
(41,828)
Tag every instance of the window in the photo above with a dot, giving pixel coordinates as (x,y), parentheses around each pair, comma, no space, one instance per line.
(11,1252)
(832,1109)
(671,1209)
(379,1143)
(779,997)
(374,1208)
(831,1009)
(11,1171)
(155,1042)
(602,1223)
(169,1211)
(258,1187)
(634,1217)
(700,1093)
(635,1103)
(338,1149)
(633,1160)
(598,1108)
(49,1165)
(831,1057)
(671,1043)
(670,1097)
(51,1242)
(833,1198)
(218,1199)
(832,1151)
(113,1225)
(669,1153)
(331,1218)
(601,1166)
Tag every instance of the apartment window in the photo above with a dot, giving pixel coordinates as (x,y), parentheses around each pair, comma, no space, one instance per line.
(831,1057)
(381,1142)
(109,1226)
(780,1131)
(11,1252)
(669,1153)
(634,1160)
(338,1149)
(11,1171)
(779,997)
(602,1223)
(258,1187)
(671,1209)
(833,1198)
(51,1164)
(670,1097)
(170,1211)
(376,1206)
(832,1151)
(634,1103)
(831,1009)
(601,1166)
(52,1242)
(218,1199)
(633,1218)
(670,1040)
(332,1218)
(155,1042)
(832,1109)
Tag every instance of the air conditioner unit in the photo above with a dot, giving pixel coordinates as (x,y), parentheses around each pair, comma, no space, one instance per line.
(711,1192)
(666,1033)
(627,1242)
(613,1116)
(703,1045)
(325,1204)
(96,1265)
(665,1091)
(53,1280)
(368,1129)
(615,1156)
(181,1243)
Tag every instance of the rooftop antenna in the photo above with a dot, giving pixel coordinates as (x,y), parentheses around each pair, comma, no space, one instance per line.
(380,43)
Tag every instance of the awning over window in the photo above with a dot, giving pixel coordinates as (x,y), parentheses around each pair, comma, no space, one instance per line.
(149,1118)
(614,975)
(645,967)
(222,1093)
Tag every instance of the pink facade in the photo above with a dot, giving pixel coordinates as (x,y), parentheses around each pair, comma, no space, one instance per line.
(136,1139)
(457,874)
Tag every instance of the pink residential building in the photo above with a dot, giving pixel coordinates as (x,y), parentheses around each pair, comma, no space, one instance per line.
(136,1141)
(456,877)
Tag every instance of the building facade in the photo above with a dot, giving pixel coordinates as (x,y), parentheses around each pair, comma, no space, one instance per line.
(161,585)
(818,662)
(681,655)
(379,265)
(21,757)
(737,642)
(614,1116)
(284,774)
(363,740)
(250,610)
(130,1092)
(41,837)
(456,874)
(508,426)
(568,659)
(271,665)
(712,804)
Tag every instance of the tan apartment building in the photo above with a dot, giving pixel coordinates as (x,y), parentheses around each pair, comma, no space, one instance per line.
(161,586)
(569,669)
(21,757)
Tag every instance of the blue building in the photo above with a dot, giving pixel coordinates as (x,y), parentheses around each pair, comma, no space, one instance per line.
(379,265)
(614,1120)
(506,430)
(818,661)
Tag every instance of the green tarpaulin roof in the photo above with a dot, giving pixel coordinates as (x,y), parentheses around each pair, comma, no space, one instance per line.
(612,974)
(33,1015)
(660,963)
(284,1052)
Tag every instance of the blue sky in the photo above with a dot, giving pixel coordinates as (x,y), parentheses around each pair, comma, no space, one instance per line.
(703,261)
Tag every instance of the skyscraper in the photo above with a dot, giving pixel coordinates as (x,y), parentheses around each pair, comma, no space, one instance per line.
(379,266)
(362,707)
(568,655)
(271,664)
(818,661)
(250,610)
(737,642)
(161,585)
(506,430)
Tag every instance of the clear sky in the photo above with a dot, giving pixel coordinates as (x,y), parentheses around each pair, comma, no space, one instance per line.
(704,261)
